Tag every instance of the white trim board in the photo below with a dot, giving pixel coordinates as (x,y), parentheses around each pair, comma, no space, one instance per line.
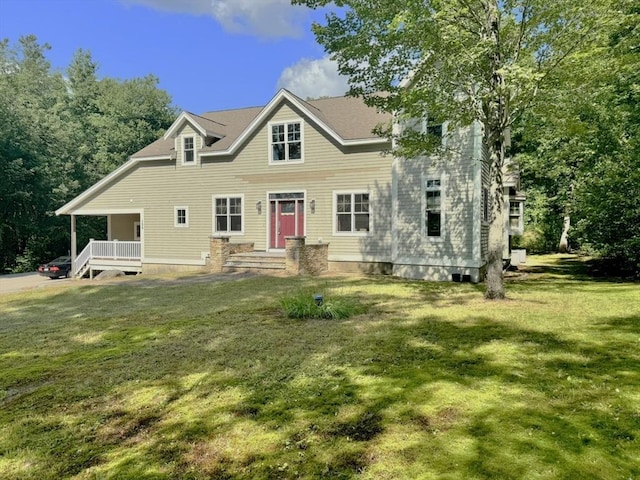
(437,262)
(175,261)
(187,117)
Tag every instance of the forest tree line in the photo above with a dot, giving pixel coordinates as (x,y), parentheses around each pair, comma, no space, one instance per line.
(60,133)
(579,151)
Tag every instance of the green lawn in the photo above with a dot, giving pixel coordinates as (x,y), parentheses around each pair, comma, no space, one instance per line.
(157,378)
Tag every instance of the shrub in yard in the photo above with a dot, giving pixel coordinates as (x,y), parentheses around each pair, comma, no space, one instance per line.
(303,304)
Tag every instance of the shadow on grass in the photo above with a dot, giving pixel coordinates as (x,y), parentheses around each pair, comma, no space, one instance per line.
(570,267)
(211,381)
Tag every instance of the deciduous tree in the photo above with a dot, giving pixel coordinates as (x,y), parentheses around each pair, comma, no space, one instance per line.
(59,136)
(468,60)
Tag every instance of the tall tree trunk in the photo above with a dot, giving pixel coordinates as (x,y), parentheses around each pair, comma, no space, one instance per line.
(496,121)
(494,280)
(563,247)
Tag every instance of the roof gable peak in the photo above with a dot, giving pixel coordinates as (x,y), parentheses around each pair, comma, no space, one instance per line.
(191,119)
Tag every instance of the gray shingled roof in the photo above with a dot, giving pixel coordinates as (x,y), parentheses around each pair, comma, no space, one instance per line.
(348,117)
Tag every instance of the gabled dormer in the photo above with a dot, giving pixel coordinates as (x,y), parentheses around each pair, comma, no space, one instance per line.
(191,133)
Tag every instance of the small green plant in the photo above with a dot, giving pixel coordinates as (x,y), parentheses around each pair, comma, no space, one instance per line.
(305,304)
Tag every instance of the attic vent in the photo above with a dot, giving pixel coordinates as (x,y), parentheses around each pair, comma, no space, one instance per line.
(210,141)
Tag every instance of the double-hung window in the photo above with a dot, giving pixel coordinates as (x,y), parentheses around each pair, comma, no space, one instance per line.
(433,207)
(286,142)
(352,213)
(429,126)
(188,150)
(181,217)
(228,214)
(514,215)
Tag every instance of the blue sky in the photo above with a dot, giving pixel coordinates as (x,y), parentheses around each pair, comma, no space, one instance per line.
(207,54)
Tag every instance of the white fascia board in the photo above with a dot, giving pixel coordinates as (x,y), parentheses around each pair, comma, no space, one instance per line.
(268,110)
(366,141)
(172,132)
(407,81)
(109,211)
(175,126)
(67,208)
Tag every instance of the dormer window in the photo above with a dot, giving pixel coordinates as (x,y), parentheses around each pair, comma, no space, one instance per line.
(285,142)
(188,150)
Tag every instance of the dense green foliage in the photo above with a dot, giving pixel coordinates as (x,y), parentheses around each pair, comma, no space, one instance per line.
(580,150)
(197,378)
(459,61)
(60,134)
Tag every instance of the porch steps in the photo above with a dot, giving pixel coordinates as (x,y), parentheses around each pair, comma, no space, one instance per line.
(260,262)
(83,271)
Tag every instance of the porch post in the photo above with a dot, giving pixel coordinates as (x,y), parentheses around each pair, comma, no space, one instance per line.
(74,246)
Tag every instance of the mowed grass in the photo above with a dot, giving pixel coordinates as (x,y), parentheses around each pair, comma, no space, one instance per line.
(189,379)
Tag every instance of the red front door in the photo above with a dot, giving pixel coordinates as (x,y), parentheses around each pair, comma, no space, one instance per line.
(287,220)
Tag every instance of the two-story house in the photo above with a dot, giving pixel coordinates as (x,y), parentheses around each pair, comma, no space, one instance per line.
(247,180)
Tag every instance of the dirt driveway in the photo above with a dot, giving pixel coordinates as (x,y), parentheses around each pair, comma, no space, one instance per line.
(26,281)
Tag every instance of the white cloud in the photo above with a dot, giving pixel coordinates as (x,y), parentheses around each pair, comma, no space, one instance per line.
(264,18)
(313,78)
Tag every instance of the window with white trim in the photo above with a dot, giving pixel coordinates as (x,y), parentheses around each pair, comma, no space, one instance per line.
(426,125)
(285,142)
(352,213)
(514,215)
(433,207)
(188,150)
(181,217)
(227,214)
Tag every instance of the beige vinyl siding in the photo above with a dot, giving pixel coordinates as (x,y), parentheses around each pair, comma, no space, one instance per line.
(159,186)
(122,226)
(457,173)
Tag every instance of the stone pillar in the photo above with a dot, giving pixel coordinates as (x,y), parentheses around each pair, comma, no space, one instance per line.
(293,254)
(219,251)
(315,259)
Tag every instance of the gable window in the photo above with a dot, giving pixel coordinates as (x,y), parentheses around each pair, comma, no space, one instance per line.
(286,142)
(228,214)
(188,150)
(352,214)
(181,216)
(433,207)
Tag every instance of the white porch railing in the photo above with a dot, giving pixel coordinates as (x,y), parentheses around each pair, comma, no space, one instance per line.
(111,250)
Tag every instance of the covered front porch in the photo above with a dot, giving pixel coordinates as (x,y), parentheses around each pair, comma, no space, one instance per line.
(122,250)
(100,255)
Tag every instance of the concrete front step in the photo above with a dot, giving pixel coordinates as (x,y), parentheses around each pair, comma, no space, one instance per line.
(263,259)
(264,262)
(265,265)
(265,271)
